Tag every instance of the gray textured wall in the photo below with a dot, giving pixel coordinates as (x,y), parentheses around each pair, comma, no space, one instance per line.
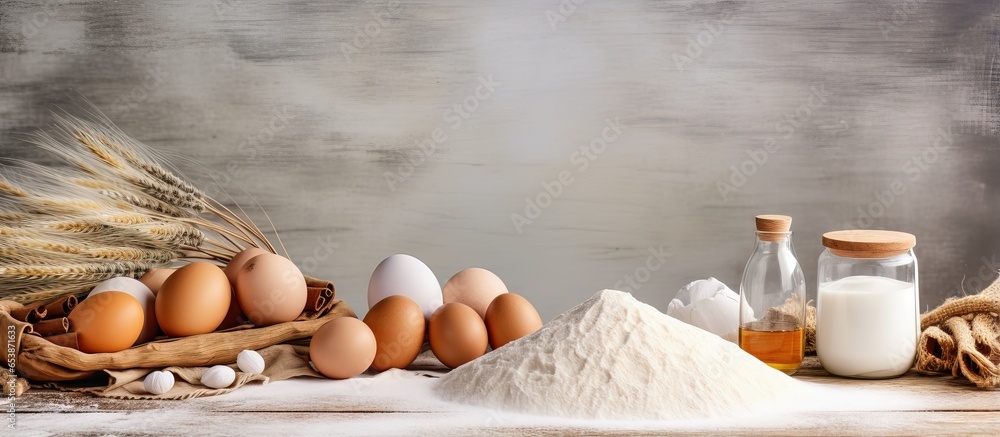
(294,103)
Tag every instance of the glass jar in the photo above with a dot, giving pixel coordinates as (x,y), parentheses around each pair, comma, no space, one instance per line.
(868,304)
(773,295)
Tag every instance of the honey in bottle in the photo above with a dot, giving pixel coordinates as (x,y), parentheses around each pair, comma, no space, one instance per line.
(774,290)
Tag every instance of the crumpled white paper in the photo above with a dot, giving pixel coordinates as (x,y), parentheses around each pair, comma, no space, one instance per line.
(710,305)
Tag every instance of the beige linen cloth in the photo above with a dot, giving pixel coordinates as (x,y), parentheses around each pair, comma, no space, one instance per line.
(281,361)
(120,374)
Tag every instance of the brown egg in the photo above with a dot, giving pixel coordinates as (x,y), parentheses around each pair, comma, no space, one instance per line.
(155,277)
(509,318)
(342,348)
(270,290)
(457,334)
(193,300)
(474,287)
(107,322)
(234,317)
(236,264)
(398,324)
(141,293)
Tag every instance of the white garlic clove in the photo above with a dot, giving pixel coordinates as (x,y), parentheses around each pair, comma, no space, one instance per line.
(250,362)
(218,377)
(158,382)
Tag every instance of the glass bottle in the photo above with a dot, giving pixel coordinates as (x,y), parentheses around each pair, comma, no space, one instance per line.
(774,288)
(867,304)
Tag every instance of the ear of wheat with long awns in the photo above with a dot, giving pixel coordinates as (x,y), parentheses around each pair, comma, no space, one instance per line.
(115,209)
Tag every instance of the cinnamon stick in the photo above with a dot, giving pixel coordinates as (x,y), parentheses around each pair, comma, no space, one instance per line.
(68,339)
(32,313)
(28,330)
(322,310)
(315,283)
(22,313)
(52,327)
(318,283)
(60,307)
(315,298)
(320,298)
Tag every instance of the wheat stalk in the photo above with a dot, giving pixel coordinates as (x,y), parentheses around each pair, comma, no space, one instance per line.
(116,208)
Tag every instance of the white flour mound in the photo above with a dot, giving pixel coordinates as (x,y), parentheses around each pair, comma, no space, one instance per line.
(613,357)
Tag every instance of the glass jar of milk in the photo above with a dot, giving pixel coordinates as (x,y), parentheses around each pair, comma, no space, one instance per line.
(867,308)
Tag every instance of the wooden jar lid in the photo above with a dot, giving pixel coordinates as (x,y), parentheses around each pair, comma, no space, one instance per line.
(779,224)
(868,243)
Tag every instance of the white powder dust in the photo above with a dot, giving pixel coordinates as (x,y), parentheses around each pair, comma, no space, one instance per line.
(613,357)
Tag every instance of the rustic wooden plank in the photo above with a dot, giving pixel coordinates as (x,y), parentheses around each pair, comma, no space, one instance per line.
(216,423)
(954,393)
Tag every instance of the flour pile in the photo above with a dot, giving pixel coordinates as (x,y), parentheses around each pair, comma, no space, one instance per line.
(613,357)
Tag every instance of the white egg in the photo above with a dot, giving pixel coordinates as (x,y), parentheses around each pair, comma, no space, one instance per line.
(405,275)
(140,292)
(250,362)
(218,377)
(158,382)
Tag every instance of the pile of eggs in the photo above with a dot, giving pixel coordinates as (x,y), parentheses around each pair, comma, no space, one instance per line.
(407,306)
(472,312)
(198,298)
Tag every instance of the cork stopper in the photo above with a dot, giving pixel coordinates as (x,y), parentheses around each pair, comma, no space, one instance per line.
(778,224)
(868,243)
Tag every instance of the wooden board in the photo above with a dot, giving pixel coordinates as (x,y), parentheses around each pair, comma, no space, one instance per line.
(952,407)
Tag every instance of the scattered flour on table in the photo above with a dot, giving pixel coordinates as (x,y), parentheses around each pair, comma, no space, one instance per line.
(613,357)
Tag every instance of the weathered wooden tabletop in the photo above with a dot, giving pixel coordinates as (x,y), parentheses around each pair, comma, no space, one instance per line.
(942,406)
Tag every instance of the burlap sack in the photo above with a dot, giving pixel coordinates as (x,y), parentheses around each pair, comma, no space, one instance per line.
(961,337)
(791,311)
(936,351)
(41,361)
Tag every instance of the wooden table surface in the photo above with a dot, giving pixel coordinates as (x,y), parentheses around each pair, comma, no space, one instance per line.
(940,406)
